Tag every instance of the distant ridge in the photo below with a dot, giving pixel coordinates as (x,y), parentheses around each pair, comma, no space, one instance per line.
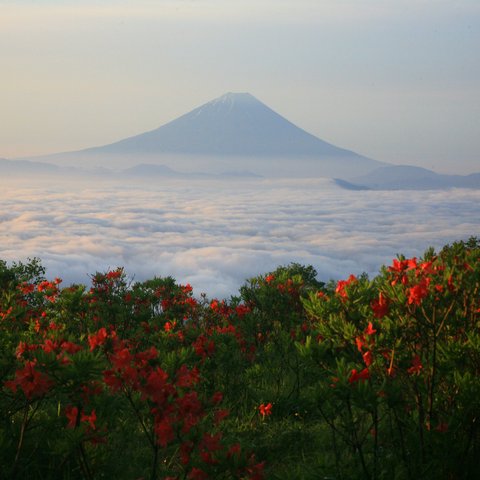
(20,166)
(146,170)
(408,177)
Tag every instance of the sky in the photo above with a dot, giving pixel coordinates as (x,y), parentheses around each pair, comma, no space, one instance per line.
(395,80)
(214,235)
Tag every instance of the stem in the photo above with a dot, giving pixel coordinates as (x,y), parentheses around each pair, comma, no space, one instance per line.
(375,442)
(149,436)
(402,443)
(447,313)
(84,462)
(155,462)
(331,423)
(296,384)
(357,444)
(297,376)
(20,441)
(26,420)
(434,369)
(335,449)
(421,421)
(472,310)
(470,440)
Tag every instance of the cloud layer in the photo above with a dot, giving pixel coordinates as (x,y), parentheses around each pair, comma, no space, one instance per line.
(215,234)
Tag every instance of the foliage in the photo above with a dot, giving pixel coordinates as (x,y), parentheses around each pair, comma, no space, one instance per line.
(291,379)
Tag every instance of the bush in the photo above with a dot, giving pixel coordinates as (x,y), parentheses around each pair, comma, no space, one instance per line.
(291,379)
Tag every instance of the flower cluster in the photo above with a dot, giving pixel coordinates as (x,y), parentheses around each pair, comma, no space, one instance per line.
(370,378)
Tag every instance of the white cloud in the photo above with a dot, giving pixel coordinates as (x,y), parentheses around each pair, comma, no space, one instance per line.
(215,235)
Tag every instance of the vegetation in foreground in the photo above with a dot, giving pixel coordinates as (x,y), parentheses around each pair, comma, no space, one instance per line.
(292,379)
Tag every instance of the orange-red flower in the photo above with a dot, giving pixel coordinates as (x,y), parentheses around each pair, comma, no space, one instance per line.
(211,442)
(265,410)
(370,330)
(31,381)
(256,471)
(90,419)
(164,432)
(219,415)
(203,347)
(418,292)
(114,274)
(186,377)
(71,413)
(169,326)
(380,306)
(242,310)
(235,449)
(98,338)
(368,358)
(342,284)
(360,342)
(359,376)
(217,397)
(416,366)
(26,288)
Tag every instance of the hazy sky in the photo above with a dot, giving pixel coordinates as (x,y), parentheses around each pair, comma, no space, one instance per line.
(396,80)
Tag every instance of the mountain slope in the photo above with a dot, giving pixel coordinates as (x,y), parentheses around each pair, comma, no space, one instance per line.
(233,124)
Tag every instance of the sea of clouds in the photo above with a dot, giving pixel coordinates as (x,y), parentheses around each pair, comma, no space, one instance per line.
(215,234)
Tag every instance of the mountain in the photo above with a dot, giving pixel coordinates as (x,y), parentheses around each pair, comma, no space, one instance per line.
(11,167)
(235,132)
(236,135)
(407,177)
(234,124)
